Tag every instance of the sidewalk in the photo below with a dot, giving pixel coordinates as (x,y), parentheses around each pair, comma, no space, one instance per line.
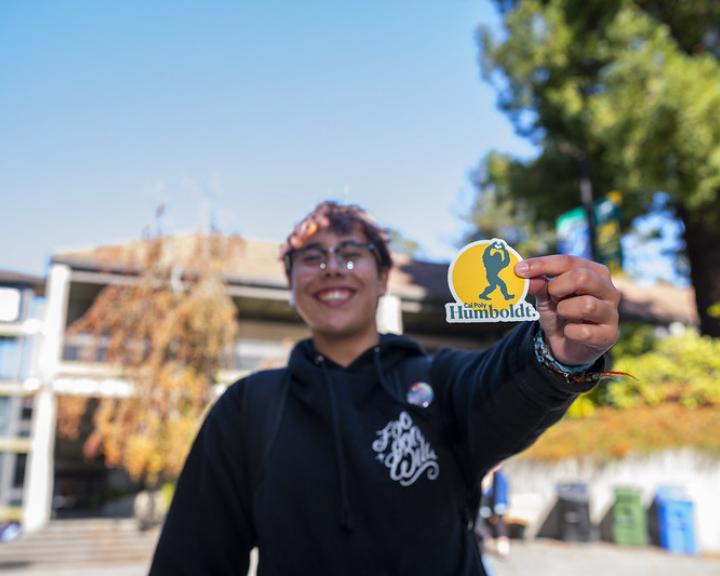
(537,558)
(552,557)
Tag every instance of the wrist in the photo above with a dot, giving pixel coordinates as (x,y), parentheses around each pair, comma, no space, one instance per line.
(579,374)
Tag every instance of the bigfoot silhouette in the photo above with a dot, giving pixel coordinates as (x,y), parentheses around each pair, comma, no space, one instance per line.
(495,258)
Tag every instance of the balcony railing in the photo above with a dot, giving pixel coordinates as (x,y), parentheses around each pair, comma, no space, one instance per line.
(245,355)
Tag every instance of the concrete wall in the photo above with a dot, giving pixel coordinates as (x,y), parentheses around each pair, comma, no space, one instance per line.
(533,486)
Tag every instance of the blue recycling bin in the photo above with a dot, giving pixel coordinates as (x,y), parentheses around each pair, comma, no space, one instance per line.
(676,521)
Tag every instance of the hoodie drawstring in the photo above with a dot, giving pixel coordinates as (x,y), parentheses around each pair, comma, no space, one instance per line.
(346,520)
(378,368)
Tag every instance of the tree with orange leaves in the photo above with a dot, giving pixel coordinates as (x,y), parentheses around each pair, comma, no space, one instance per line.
(168,330)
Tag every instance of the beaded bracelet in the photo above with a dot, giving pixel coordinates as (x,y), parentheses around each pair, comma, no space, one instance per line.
(575,375)
(546,358)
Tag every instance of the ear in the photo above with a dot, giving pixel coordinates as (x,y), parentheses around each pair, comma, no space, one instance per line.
(383,276)
(291,295)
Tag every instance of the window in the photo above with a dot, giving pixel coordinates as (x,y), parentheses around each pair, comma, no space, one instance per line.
(5,415)
(19,471)
(27,408)
(10,358)
(9,304)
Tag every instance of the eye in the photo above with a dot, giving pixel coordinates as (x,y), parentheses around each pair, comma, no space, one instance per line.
(309,257)
(351,252)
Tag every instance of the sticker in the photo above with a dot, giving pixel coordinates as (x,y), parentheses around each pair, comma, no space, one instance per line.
(485,288)
(420,394)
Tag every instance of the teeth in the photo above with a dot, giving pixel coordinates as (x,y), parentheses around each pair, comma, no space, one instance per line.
(332,295)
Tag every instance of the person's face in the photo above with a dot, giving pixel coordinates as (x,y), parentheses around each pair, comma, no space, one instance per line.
(333,300)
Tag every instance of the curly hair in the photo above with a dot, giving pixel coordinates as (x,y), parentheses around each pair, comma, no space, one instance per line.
(341,219)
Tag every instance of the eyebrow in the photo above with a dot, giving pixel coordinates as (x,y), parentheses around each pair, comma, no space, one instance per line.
(321,247)
(312,245)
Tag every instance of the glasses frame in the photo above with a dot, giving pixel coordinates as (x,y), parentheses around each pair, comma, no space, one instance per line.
(331,252)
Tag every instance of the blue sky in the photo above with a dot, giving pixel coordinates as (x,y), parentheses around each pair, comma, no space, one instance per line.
(258,110)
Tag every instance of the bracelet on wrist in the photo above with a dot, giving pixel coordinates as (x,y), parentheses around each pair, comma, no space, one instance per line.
(576,375)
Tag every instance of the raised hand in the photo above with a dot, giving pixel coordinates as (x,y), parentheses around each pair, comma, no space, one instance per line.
(577,303)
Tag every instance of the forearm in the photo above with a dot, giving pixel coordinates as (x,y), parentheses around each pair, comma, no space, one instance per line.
(500,400)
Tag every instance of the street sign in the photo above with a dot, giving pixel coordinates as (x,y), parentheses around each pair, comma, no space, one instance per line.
(574,236)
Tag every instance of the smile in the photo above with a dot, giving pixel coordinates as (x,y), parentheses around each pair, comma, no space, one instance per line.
(335,295)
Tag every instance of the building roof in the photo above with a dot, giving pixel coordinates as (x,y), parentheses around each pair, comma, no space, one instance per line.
(257,263)
(20,279)
(658,302)
(252,262)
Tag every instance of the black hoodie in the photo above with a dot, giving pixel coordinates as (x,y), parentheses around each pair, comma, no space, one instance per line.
(353,478)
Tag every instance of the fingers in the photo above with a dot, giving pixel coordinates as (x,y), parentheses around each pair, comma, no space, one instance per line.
(579,281)
(578,305)
(538,286)
(589,321)
(587,309)
(597,336)
(557,264)
(561,276)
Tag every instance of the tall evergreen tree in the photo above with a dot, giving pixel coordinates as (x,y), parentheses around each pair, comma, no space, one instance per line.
(627,92)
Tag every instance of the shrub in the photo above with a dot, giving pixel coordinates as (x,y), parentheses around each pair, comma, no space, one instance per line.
(683,368)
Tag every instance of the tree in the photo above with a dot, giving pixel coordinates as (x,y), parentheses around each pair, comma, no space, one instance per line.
(496,215)
(627,91)
(402,244)
(167,330)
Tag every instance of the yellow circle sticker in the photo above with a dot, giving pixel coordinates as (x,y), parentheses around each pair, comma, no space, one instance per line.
(485,288)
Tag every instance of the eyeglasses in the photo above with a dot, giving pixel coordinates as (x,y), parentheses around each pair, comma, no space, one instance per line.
(347,254)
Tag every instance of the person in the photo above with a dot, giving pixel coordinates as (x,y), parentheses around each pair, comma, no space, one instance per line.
(363,455)
(490,525)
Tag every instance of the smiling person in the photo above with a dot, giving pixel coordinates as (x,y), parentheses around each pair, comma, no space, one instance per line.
(364,455)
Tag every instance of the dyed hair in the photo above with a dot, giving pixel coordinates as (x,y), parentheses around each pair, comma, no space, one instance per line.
(341,219)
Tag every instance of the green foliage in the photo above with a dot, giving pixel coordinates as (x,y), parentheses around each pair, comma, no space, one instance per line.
(610,84)
(635,338)
(496,214)
(625,90)
(714,310)
(168,491)
(684,369)
(404,245)
(583,407)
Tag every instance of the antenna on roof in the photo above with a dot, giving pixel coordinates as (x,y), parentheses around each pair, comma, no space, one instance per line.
(159,213)
(205,225)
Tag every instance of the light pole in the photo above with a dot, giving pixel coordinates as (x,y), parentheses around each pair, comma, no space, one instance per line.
(586,197)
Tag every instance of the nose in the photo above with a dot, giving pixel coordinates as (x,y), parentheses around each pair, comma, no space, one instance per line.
(332,264)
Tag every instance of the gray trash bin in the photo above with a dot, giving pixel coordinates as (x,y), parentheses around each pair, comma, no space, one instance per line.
(574,512)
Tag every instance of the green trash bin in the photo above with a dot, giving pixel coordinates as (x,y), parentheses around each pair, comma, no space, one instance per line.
(629,526)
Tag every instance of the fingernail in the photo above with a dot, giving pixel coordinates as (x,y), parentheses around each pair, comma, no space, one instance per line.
(522,268)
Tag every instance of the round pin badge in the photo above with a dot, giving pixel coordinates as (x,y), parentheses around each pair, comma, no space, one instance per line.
(420,394)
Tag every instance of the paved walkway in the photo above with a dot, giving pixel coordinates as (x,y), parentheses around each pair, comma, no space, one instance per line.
(537,558)
(550,557)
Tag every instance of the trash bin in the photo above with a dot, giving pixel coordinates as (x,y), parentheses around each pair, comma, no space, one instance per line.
(574,512)
(629,522)
(676,521)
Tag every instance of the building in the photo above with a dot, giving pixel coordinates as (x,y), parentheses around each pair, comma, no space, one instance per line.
(21,301)
(59,480)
